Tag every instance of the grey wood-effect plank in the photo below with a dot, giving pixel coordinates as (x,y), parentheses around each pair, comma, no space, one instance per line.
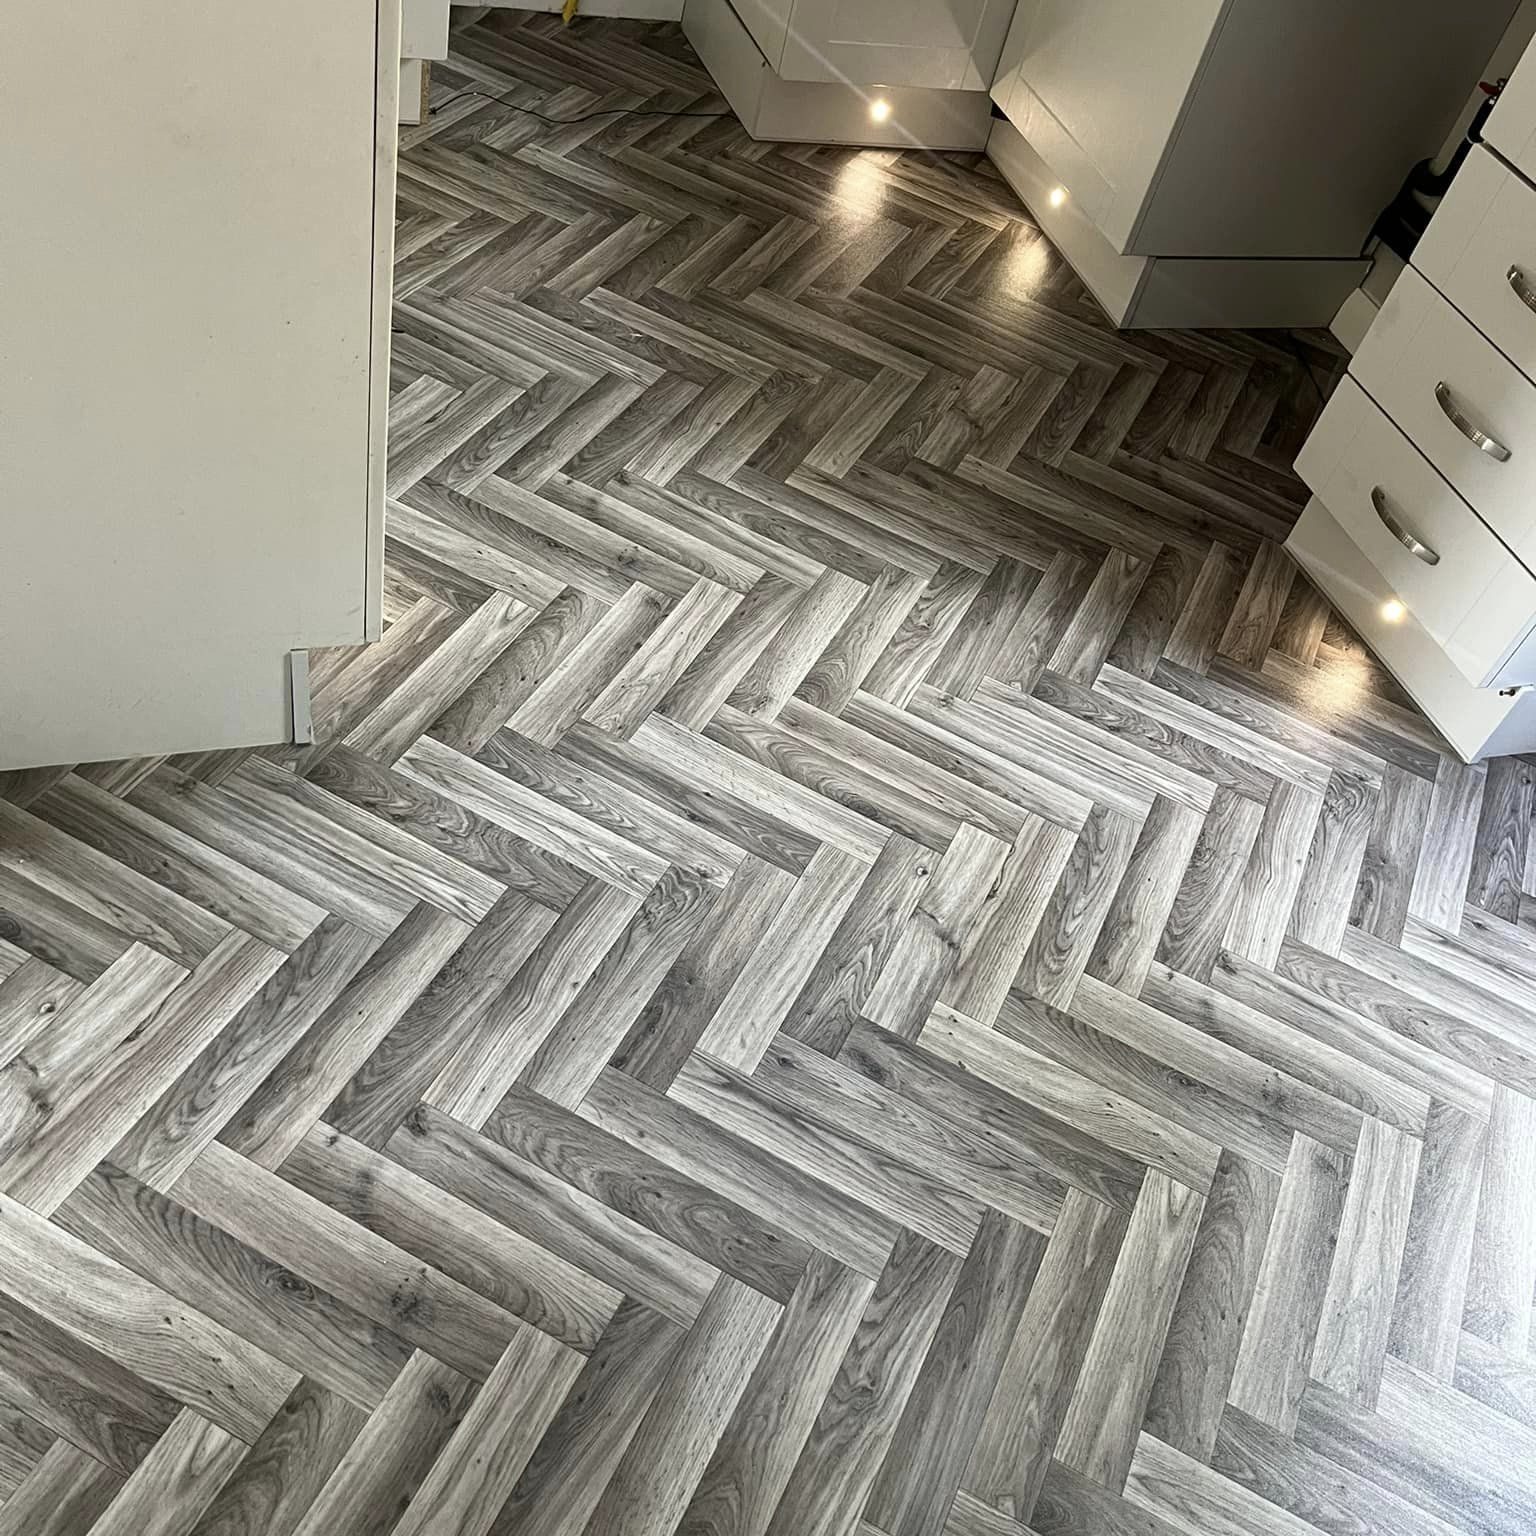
(574,1461)
(776,1189)
(1098,1434)
(860,738)
(1158,1115)
(1437,1250)
(453,1237)
(62,1495)
(663,1463)
(570,687)
(963,1154)
(294,1094)
(390,1081)
(724,941)
(1461,1473)
(480,1464)
(194,1108)
(301,851)
(842,778)
(1012,1454)
(684,1211)
(1069,929)
(1293,1480)
(224,887)
(933,1442)
(885,1184)
(756,1455)
(962,757)
(500,690)
(92,1114)
(283,1472)
(782,964)
(1352,1332)
(1465,1025)
(370,1274)
(1502,848)
(523,809)
(1449,846)
(943,1080)
(1192,936)
(293,1321)
(57,932)
(107,890)
(1205,1331)
(176,1482)
(857,646)
(1083,647)
(921,640)
(925,956)
(386,1462)
(507,1036)
(991,952)
(1271,884)
(1237,1097)
(30,999)
(1325,896)
(861,1414)
(1492,1378)
(730,653)
(1277,1347)
(638,686)
(806,631)
(138,1324)
(704,766)
(570,1223)
(570,1056)
(92,1403)
(1138,913)
(1501,1284)
(1251,628)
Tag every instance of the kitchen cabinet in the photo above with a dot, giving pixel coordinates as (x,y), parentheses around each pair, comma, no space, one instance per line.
(195,255)
(947,45)
(1231,145)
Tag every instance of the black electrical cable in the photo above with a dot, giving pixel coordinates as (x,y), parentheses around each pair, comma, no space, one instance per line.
(564,122)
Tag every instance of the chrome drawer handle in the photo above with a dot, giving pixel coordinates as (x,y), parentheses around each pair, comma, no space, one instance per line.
(1473,434)
(1414,546)
(1522,286)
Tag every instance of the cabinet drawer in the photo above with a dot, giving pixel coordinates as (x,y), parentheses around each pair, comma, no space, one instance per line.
(1511,126)
(1480,252)
(1442,381)
(1463,586)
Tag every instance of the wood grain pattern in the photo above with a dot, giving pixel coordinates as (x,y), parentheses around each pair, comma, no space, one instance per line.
(862,957)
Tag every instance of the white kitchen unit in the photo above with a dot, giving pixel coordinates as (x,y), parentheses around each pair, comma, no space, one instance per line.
(195,332)
(903,73)
(1423,525)
(1221,162)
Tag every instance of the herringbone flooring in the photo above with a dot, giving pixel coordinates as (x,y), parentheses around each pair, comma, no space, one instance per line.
(865,958)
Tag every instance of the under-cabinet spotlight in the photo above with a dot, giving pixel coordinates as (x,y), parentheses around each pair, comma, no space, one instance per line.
(1393,611)
(1057,197)
(879,109)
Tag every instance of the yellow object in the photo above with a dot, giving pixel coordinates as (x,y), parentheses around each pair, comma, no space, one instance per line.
(568,11)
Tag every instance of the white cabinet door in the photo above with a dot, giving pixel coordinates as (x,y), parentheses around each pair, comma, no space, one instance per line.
(768,22)
(1511,125)
(1096,87)
(937,44)
(193,336)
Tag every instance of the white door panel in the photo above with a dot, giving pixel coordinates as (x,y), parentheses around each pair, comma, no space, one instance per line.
(189,414)
(936,44)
